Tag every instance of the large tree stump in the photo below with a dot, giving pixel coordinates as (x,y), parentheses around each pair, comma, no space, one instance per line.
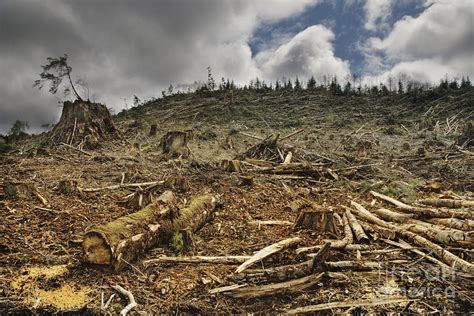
(174,144)
(85,124)
(319,220)
(125,238)
(16,190)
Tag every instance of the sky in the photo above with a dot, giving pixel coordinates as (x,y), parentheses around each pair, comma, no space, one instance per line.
(123,48)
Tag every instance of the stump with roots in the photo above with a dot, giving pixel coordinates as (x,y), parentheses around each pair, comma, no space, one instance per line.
(84,124)
(174,144)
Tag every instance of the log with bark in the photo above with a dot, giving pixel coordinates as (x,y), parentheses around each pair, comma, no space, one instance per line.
(447,203)
(437,233)
(124,239)
(443,254)
(461,224)
(287,272)
(292,286)
(359,232)
(423,211)
(198,260)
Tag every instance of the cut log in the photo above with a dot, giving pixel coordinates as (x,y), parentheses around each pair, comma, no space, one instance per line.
(267,251)
(318,220)
(288,158)
(198,260)
(292,286)
(443,254)
(124,239)
(346,304)
(461,224)
(287,272)
(424,211)
(84,124)
(434,232)
(351,247)
(359,232)
(447,203)
(174,144)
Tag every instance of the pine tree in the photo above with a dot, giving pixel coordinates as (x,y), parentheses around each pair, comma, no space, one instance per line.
(311,85)
(211,83)
(400,87)
(297,84)
(347,88)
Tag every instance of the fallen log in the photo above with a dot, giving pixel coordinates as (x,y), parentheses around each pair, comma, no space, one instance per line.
(287,272)
(443,254)
(267,251)
(361,265)
(447,203)
(437,233)
(359,232)
(429,212)
(272,223)
(461,224)
(122,185)
(345,304)
(351,247)
(292,286)
(122,240)
(198,260)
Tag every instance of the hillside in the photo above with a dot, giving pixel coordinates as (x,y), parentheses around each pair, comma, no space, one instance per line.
(344,151)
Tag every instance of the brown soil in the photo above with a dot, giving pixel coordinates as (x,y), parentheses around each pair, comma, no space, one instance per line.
(41,266)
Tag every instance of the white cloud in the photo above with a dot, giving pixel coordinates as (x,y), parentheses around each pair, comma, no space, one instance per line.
(377,12)
(308,53)
(439,41)
(125,48)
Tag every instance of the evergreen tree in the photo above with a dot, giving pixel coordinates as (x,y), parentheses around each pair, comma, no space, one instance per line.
(289,85)
(453,85)
(297,84)
(277,84)
(347,88)
(311,85)
(211,83)
(400,87)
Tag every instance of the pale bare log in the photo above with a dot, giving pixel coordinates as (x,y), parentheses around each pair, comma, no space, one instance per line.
(267,251)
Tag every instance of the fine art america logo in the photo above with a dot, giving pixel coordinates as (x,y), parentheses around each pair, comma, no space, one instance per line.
(421,281)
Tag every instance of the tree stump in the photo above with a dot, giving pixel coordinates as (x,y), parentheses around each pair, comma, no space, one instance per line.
(84,124)
(319,220)
(231,165)
(15,190)
(174,144)
(67,186)
(177,183)
(153,130)
(139,200)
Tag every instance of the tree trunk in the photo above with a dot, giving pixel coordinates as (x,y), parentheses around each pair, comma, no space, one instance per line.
(85,124)
(124,239)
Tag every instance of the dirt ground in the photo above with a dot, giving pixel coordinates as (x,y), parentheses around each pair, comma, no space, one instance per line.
(42,270)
